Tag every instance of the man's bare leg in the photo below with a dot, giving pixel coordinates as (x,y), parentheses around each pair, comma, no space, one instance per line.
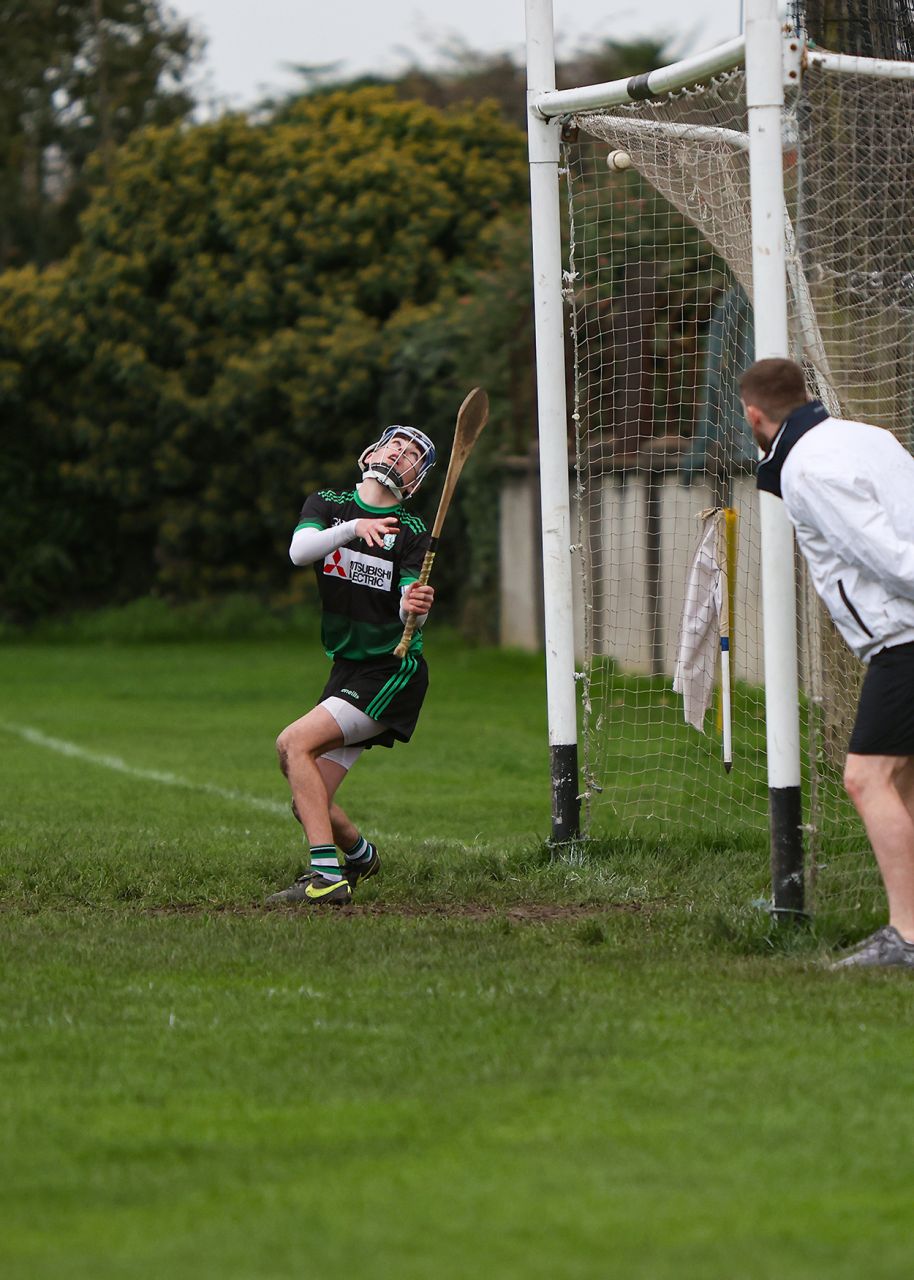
(904,782)
(882,789)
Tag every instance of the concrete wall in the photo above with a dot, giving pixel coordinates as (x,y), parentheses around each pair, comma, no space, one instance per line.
(641,544)
(520,559)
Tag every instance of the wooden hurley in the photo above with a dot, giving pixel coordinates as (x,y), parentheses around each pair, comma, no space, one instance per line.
(472,416)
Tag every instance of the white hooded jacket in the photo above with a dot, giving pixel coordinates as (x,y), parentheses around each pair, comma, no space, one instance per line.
(848,489)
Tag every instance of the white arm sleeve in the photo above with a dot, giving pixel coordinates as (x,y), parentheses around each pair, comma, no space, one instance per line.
(309,545)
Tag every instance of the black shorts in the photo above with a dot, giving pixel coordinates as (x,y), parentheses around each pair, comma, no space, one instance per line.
(388,689)
(885,716)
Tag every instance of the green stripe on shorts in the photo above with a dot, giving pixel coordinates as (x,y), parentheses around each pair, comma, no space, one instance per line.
(387,692)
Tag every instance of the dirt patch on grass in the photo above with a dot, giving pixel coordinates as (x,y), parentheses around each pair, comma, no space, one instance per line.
(517,913)
(522,913)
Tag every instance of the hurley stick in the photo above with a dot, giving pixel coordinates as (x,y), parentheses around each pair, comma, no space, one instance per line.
(471,418)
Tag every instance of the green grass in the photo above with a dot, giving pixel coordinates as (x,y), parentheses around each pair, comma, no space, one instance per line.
(496,1064)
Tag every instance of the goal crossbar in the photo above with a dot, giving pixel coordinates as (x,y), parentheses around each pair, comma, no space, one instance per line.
(698,70)
(694,70)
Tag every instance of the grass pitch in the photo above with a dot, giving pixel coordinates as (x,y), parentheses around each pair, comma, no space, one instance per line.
(495,1064)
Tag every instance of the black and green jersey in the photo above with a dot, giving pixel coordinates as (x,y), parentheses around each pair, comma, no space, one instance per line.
(360,585)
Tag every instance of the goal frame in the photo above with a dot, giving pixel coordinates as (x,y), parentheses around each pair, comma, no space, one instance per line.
(762,52)
(773,59)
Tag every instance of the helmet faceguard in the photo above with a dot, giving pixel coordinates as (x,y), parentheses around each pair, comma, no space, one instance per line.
(401,475)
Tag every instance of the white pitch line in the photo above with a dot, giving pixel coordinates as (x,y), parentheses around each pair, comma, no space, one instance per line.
(71,749)
(76,752)
(172,780)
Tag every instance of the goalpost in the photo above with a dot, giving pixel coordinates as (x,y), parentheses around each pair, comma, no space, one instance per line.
(753,205)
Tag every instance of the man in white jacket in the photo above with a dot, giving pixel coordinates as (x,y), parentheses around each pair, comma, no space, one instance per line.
(848,489)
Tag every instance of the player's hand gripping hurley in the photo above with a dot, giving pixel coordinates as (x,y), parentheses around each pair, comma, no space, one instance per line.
(471,418)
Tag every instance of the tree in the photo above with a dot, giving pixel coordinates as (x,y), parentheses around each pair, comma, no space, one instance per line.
(77,77)
(461,74)
(248,304)
(221,338)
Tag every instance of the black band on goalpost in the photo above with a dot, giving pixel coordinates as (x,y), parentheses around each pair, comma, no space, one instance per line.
(566,803)
(639,89)
(787,876)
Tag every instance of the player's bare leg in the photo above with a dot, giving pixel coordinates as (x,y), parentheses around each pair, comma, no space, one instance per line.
(882,789)
(300,746)
(362,860)
(345,832)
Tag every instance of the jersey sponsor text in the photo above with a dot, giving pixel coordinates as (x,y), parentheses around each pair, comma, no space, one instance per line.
(359,569)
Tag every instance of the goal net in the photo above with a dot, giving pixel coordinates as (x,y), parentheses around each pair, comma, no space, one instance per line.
(658,283)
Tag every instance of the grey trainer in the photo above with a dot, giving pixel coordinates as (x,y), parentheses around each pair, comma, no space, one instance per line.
(313,889)
(885,948)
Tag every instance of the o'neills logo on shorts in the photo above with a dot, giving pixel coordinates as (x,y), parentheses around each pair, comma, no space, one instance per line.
(361,570)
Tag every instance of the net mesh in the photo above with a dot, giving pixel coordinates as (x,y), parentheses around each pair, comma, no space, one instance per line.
(658,282)
(873,28)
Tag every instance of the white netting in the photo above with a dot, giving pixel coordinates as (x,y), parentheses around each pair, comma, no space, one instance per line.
(660,272)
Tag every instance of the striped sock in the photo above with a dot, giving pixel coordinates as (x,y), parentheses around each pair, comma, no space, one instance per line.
(325,862)
(360,851)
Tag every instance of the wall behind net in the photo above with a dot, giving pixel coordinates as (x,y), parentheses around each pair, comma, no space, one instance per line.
(659,280)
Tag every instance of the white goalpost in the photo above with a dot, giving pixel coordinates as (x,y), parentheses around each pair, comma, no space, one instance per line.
(544,139)
(743,203)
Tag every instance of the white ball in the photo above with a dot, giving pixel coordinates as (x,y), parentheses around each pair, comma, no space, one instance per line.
(619,160)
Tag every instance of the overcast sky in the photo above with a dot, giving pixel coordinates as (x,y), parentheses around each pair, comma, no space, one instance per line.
(250,44)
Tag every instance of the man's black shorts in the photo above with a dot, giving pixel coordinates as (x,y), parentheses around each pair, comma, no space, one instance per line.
(885,716)
(388,689)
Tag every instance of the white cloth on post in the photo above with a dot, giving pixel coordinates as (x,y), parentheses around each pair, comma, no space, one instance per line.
(699,628)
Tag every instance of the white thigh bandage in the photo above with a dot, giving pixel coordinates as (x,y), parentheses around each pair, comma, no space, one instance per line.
(345,757)
(355,726)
